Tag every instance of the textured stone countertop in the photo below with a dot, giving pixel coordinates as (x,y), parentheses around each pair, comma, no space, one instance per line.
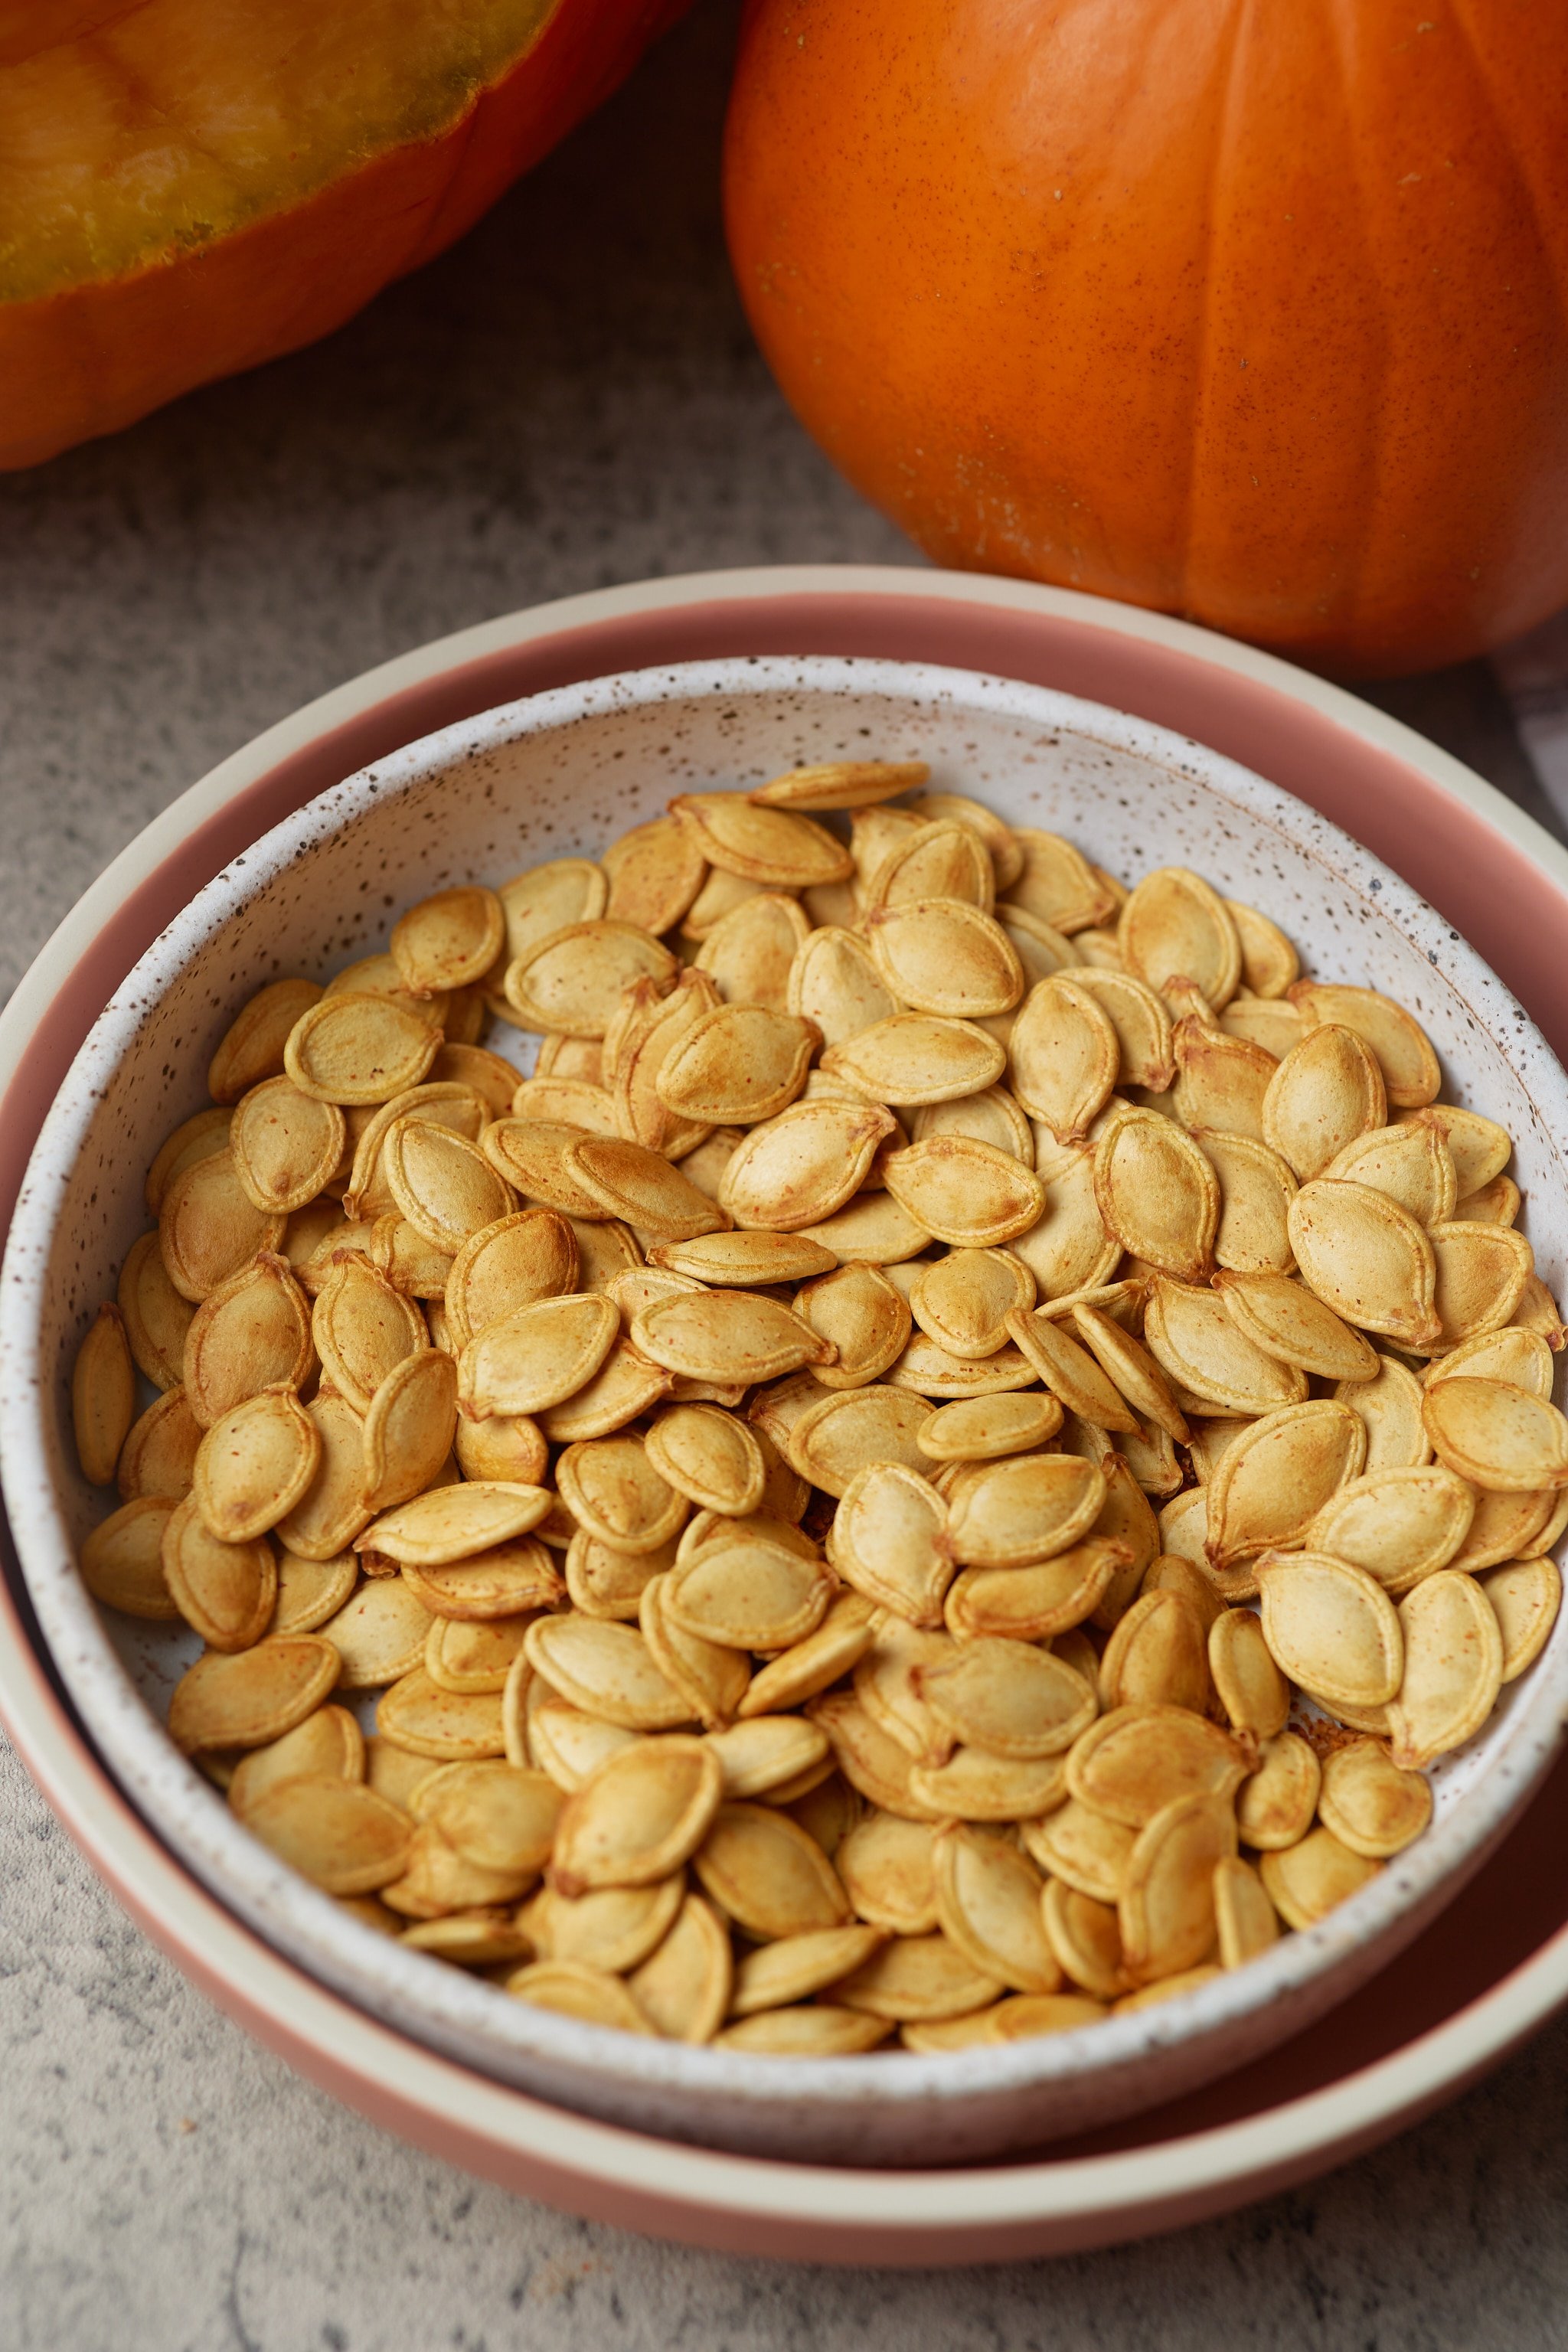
(569,399)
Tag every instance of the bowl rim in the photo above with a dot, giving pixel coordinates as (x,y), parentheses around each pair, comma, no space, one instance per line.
(702,2197)
(1237,694)
(310,1927)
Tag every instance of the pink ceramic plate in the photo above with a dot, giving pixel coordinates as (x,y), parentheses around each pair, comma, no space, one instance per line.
(1303,734)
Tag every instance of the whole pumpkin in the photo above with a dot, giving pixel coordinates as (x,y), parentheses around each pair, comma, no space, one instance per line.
(1247,309)
(191,187)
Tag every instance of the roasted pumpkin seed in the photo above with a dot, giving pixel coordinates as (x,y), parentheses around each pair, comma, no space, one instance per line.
(1057,884)
(122,1559)
(379,1634)
(342,1836)
(1525,1597)
(359,1049)
(1221,1080)
(984,1429)
(1399,1525)
(363,1328)
(739,1334)
(1411,1162)
(1330,1627)
(1071,1373)
(748,1595)
(817,2029)
(209,1228)
(329,1742)
(1369,1803)
(472,1656)
(1156,1656)
(944,955)
(767,1874)
(572,1988)
(1410,1073)
(1245,1922)
(1256,1190)
(1294,1325)
(1453,1663)
(537,1355)
(1520,1358)
(989,1908)
(944,861)
(834,983)
(1253,1692)
(1085,1850)
(1274,1805)
(246,1700)
(254,1465)
(1389,1408)
(761,843)
(252,1332)
(1480,1149)
(409,1429)
(1201,1347)
(449,1726)
(285,1146)
(332,1511)
(1009,1698)
(841,784)
(710,1458)
(1278,1475)
(1032,1603)
(103,1396)
(1165,1904)
(252,1047)
(1158,1194)
(913,1058)
(1501,1438)
(158,1454)
(1139,1757)
(607,1670)
(570,980)
(157,1316)
(637,1818)
(455,1522)
(615,1491)
(1306,1881)
(1480,1273)
(1327,1091)
(625,1385)
(888,1540)
(1018,1511)
(195,1138)
(766,1753)
(1174,926)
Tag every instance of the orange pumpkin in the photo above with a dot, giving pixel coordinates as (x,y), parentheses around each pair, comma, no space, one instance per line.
(191,187)
(1253,312)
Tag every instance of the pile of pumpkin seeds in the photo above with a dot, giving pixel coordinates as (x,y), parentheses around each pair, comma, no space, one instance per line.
(943,1467)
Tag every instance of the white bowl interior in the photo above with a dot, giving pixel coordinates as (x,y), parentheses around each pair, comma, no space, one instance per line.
(562,774)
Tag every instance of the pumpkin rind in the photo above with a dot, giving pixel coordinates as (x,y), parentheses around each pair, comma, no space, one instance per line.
(1071,294)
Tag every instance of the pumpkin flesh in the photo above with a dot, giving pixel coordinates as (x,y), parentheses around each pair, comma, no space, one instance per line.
(191,187)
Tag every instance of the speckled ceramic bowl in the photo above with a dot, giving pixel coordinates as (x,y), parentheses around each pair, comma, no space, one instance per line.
(561,773)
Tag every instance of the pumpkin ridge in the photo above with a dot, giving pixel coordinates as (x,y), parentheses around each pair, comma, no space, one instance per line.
(1365,510)
(1509,145)
(1202,371)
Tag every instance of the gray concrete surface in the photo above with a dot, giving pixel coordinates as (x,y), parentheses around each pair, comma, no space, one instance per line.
(569,399)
